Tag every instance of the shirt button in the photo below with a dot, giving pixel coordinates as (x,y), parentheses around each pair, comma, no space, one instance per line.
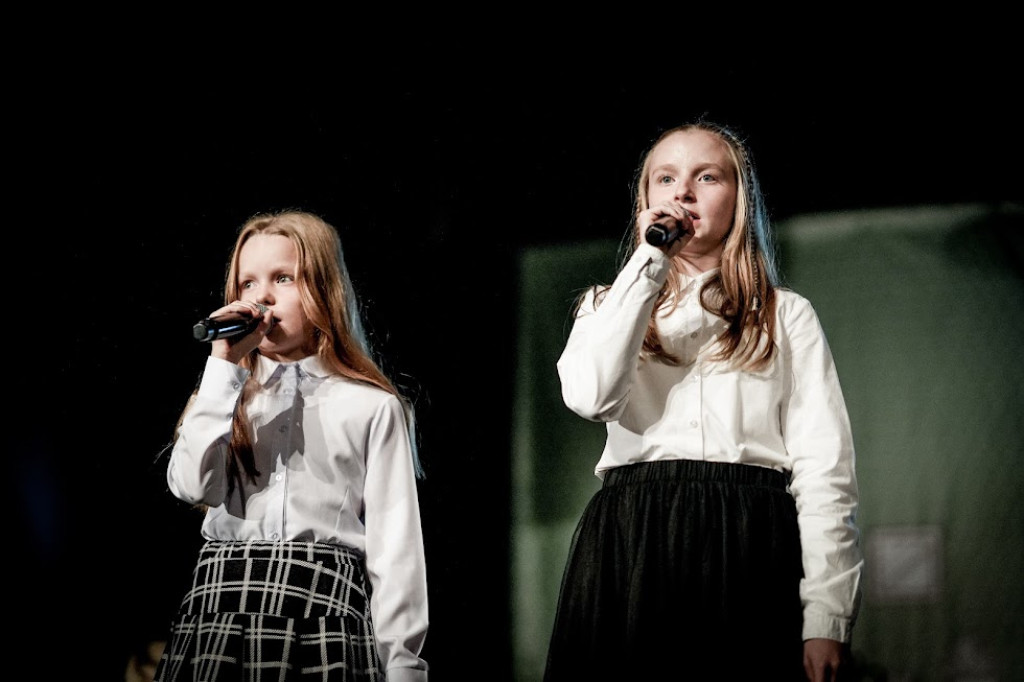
(284,427)
(274,536)
(278,477)
(235,385)
(693,335)
(693,423)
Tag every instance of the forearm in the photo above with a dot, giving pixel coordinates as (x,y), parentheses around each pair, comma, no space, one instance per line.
(197,470)
(599,363)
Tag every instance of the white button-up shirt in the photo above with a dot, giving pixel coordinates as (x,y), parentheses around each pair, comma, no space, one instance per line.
(335,465)
(790,417)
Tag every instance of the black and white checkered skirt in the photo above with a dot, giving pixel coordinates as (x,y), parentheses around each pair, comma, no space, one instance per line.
(260,611)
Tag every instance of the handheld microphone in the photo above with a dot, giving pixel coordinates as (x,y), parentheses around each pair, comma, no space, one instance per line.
(227,325)
(659,234)
(664,231)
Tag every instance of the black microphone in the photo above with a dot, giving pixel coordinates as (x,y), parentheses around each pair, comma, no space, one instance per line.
(665,231)
(659,234)
(227,325)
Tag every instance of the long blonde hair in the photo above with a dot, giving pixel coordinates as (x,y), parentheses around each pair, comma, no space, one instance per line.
(743,291)
(329,302)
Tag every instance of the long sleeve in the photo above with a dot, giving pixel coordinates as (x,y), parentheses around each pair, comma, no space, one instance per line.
(333,464)
(790,416)
(394,546)
(818,439)
(196,472)
(598,366)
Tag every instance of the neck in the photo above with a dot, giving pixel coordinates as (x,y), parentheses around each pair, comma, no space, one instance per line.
(694,266)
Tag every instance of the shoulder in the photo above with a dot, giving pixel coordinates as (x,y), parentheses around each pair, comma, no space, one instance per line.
(360,393)
(794,312)
(790,304)
(790,298)
(798,328)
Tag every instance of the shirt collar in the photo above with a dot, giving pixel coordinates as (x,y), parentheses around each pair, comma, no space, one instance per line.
(686,281)
(310,365)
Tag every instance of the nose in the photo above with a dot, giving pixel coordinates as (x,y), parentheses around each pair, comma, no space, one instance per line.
(684,191)
(261,294)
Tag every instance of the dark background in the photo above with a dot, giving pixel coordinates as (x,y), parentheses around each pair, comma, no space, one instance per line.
(438,170)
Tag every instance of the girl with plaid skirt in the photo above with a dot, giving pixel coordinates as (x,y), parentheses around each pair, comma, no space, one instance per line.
(722,544)
(303,453)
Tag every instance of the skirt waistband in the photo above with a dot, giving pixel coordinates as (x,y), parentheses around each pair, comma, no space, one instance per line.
(287,579)
(268,550)
(696,470)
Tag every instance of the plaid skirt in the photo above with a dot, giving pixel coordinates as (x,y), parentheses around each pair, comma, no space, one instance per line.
(261,611)
(682,570)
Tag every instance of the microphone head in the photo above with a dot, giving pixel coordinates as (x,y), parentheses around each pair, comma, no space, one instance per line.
(201,331)
(659,235)
(229,324)
(665,230)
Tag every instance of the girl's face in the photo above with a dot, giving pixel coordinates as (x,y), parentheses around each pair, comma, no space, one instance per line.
(267,274)
(694,169)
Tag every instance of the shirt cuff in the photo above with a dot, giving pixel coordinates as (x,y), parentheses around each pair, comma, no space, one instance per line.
(222,380)
(654,263)
(820,625)
(406,675)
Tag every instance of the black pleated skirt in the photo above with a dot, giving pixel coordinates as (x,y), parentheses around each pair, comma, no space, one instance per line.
(682,570)
(261,611)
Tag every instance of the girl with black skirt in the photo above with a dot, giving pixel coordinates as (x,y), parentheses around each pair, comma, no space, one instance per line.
(723,543)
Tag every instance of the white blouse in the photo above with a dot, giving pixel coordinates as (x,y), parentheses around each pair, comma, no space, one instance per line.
(335,465)
(791,417)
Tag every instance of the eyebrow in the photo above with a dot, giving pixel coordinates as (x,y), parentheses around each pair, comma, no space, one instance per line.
(701,167)
(274,270)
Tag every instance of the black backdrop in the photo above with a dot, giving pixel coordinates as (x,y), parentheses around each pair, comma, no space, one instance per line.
(131,180)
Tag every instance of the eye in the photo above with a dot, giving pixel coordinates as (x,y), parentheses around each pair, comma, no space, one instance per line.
(248,284)
(707,177)
(285,279)
(663,179)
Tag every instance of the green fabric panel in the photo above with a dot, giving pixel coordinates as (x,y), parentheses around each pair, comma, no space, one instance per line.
(558,448)
(554,451)
(924,310)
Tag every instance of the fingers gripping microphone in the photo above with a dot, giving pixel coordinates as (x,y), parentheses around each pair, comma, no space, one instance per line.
(227,325)
(660,233)
(665,230)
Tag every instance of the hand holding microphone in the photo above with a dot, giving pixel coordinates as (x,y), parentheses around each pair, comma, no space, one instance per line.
(665,230)
(226,325)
